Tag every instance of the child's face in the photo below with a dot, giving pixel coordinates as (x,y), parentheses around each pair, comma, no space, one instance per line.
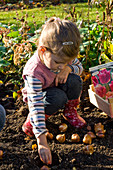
(55,62)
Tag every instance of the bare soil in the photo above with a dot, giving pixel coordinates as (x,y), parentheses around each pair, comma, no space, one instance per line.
(17,147)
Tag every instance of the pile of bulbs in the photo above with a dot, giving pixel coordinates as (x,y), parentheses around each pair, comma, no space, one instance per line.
(87,139)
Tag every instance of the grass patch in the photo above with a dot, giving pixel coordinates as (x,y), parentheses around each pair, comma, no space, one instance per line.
(58,11)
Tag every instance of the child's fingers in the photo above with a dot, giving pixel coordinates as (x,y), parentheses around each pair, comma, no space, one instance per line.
(56,81)
(50,159)
(46,158)
(42,158)
(65,80)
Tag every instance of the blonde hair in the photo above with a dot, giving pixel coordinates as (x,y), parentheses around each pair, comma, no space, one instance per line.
(62,37)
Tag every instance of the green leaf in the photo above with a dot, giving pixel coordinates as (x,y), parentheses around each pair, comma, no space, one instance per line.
(99,28)
(105,29)
(2,49)
(83,30)
(15,95)
(92,55)
(82,51)
(87,43)
(34,37)
(93,26)
(3,25)
(110,2)
(3,62)
(105,45)
(12,26)
(105,58)
(14,34)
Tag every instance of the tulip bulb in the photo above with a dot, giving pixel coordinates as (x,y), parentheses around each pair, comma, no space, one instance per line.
(49,135)
(100,134)
(34,146)
(1,154)
(88,127)
(45,168)
(63,127)
(87,139)
(75,138)
(61,138)
(88,149)
(91,134)
(99,130)
(98,127)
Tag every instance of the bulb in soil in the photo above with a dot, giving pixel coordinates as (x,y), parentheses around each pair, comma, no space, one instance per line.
(34,146)
(63,127)
(1,154)
(61,138)
(87,139)
(100,134)
(45,167)
(88,127)
(49,135)
(99,130)
(98,127)
(75,138)
(88,149)
(91,134)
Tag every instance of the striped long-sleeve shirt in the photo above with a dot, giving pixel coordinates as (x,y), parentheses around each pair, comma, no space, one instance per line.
(35,100)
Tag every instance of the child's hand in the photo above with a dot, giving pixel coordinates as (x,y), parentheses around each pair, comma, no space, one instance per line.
(44,150)
(62,76)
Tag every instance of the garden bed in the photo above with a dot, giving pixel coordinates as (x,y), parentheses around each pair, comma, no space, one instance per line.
(17,147)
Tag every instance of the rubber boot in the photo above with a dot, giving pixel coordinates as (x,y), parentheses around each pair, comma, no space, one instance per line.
(28,128)
(71,115)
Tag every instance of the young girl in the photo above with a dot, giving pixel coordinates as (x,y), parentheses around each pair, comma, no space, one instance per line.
(52,81)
